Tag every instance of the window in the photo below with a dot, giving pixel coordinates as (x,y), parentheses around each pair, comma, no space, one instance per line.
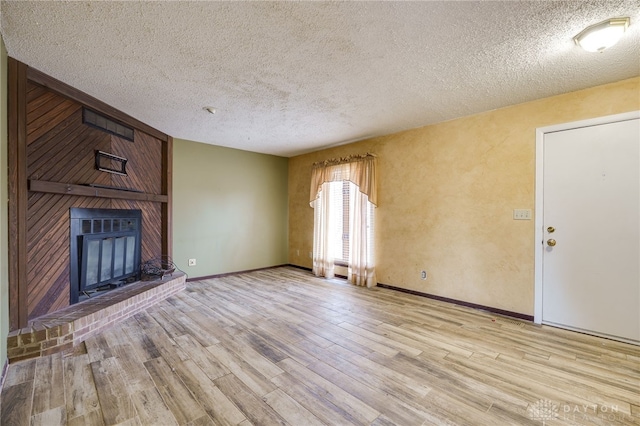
(339,231)
(339,224)
(343,196)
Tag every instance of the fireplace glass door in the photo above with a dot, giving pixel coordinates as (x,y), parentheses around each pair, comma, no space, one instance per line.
(106,260)
(105,249)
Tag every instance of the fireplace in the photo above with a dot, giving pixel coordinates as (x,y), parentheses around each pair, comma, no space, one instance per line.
(105,250)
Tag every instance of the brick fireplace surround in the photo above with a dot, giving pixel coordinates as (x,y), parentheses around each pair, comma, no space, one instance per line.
(63,329)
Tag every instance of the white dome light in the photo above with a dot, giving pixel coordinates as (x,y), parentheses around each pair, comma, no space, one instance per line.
(603,35)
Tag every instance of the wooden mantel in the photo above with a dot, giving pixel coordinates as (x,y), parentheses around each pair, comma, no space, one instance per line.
(90,191)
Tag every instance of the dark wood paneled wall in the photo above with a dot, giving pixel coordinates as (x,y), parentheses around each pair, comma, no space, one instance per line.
(51,147)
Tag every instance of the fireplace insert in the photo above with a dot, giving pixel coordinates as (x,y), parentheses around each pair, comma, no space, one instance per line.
(105,249)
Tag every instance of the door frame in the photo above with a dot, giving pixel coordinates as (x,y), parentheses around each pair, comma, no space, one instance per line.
(539,194)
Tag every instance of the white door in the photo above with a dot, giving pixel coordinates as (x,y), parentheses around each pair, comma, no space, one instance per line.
(591,229)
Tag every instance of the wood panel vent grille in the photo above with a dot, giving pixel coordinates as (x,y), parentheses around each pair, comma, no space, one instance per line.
(103,123)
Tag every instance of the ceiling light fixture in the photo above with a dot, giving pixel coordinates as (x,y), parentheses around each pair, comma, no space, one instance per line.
(210,109)
(603,35)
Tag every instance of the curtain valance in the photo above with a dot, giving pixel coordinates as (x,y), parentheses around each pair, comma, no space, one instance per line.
(359,169)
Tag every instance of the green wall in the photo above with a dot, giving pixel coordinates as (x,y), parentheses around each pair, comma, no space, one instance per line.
(229,209)
(4,220)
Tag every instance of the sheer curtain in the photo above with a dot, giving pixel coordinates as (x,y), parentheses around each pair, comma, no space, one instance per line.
(322,254)
(360,170)
(361,263)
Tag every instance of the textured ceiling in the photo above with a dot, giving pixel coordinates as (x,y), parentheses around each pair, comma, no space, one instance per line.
(292,77)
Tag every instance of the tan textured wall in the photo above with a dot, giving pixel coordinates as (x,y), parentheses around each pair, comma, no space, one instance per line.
(447,193)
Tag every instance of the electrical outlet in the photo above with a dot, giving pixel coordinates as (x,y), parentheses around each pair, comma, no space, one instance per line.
(423,275)
(192,262)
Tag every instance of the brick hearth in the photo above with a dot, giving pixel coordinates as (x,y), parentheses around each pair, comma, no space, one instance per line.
(67,327)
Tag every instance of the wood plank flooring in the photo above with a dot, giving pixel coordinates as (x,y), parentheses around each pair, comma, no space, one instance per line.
(280,346)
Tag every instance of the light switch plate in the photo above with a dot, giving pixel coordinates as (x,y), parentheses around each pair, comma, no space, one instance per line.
(521,214)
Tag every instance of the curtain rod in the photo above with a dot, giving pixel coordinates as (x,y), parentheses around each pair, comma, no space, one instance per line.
(342,160)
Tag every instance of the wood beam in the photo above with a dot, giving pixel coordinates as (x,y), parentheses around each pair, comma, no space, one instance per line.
(92,191)
(167,188)
(17,141)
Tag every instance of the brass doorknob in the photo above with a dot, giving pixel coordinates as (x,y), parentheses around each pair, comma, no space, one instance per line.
(551,242)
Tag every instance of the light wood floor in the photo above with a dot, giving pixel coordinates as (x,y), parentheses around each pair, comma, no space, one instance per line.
(282,347)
